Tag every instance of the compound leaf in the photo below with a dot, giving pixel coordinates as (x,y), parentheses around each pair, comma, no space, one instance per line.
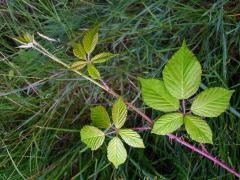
(90,40)
(116,152)
(92,137)
(182,74)
(102,57)
(156,95)
(198,129)
(211,102)
(131,137)
(119,113)
(167,123)
(93,72)
(100,117)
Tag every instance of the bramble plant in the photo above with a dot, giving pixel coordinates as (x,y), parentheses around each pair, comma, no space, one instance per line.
(94,137)
(83,51)
(181,80)
(174,95)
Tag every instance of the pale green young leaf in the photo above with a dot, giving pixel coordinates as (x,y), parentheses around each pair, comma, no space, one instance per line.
(156,95)
(90,40)
(182,74)
(93,72)
(10,74)
(78,65)
(102,57)
(92,137)
(167,123)
(79,51)
(24,38)
(116,152)
(119,113)
(131,137)
(100,117)
(211,102)
(198,129)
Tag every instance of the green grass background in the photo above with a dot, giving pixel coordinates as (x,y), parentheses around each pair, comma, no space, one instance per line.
(145,34)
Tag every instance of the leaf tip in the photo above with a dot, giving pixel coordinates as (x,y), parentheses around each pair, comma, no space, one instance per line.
(184,44)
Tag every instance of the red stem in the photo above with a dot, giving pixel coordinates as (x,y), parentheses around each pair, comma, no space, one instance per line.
(149,120)
(205,154)
(173,137)
(142,128)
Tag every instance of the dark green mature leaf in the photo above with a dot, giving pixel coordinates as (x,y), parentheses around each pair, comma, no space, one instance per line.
(198,129)
(102,57)
(116,152)
(156,95)
(93,72)
(182,74)
(79,51)
(90,40)
(92,137)
(100,117)
(132,138)
(167,123)
(119,113)
(211,102)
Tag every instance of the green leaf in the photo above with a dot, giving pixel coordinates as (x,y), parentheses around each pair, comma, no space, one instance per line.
(182,74)
(167,123)
(211,102)
(102,57)
(79,51)
(93,72)
(156,95)
(78,65)
(116,152)
(90,40)
(100,117)
(131,137)
(24,38)
(92,137)
(198,129)
(119,113)
(10,74)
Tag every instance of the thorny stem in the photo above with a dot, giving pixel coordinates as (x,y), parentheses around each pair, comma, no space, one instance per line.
(150,122)
(205,154)
(184,106)
(142,128)
(105,87)
(177,139)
